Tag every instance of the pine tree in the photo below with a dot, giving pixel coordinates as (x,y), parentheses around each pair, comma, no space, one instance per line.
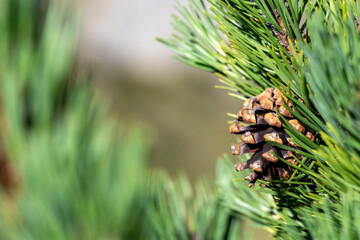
(68,171)
(308,52)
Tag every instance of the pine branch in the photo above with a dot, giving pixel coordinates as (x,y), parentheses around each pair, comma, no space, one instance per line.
(257,46)
(335,80)
(331,74)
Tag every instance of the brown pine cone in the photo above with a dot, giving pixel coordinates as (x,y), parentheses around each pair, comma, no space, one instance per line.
(260,111)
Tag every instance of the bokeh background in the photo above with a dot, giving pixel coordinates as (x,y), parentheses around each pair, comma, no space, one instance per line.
(179,105)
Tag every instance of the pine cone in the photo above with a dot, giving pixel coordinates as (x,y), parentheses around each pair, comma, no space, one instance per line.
(260,111)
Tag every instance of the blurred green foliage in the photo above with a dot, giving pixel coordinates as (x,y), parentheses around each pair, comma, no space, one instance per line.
(178,211)
(80,176)
(77,172)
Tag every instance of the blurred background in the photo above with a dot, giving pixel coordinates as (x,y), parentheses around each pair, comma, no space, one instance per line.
(178,104)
